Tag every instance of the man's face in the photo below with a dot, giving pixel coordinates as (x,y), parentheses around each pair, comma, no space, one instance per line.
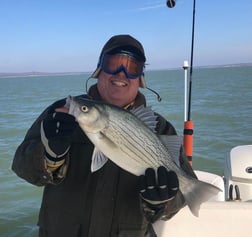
(117,89)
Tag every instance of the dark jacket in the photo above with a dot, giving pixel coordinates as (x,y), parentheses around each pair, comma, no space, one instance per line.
(78,203)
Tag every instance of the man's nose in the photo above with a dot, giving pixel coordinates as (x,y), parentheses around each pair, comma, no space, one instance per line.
(122,74)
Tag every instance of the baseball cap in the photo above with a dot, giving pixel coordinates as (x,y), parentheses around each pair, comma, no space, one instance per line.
(124,42)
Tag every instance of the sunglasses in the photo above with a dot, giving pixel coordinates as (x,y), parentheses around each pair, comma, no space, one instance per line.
(123,61)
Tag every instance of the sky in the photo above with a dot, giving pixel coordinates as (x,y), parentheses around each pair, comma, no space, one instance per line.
(68,35)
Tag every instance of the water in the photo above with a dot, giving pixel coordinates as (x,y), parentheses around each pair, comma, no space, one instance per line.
(221,111)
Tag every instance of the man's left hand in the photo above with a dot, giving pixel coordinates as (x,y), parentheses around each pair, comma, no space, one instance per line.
(156,191)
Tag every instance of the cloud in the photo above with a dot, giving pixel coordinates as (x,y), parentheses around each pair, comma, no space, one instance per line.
(149,7)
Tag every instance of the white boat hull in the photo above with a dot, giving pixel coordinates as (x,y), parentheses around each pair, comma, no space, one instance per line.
(226,219)
(219,217)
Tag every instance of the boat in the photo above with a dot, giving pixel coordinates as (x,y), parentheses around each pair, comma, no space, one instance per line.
(229,213)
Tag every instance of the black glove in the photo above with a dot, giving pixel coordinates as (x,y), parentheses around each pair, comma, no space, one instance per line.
(56,131)
(161,190)
(156,192)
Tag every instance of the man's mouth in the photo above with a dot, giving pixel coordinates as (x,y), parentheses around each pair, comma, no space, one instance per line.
(119,83)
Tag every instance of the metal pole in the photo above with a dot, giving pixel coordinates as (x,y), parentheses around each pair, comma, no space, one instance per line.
(185,67)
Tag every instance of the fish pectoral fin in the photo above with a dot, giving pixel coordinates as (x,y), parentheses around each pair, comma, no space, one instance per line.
(98,160)
(173,143)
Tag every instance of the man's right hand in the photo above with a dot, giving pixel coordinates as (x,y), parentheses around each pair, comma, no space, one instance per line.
(56,131)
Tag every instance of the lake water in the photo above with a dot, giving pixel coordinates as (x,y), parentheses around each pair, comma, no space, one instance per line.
(221,110)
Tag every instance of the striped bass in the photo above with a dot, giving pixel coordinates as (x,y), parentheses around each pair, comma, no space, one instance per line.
(129,140)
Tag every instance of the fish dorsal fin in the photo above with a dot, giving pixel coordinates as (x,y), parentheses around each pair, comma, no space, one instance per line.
(146,115)
(173,143)
(98,160)
(184,164)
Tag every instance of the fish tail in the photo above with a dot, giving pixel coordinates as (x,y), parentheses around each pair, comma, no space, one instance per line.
(196,192)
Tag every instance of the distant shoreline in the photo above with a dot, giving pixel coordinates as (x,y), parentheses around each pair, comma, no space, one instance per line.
(35,74)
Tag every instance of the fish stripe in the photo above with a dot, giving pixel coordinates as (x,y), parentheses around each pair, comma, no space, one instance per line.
(133,146)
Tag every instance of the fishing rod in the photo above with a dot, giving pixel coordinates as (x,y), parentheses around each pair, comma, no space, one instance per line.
(191,64)
(188,123)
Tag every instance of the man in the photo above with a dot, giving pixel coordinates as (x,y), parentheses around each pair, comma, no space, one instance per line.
(57,154)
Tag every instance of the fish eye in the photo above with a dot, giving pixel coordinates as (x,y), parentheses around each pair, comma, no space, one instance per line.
(84,108)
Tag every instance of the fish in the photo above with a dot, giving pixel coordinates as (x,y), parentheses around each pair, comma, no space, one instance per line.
(129,139)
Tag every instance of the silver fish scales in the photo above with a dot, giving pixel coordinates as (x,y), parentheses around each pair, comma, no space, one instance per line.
(128,139)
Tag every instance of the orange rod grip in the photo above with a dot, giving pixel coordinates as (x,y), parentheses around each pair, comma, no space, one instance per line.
(188,140)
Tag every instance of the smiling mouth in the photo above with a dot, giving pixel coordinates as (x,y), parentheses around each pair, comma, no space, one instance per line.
(119,83)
